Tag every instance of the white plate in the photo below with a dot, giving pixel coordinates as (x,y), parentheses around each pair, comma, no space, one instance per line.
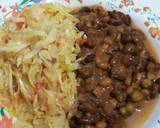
(145,14)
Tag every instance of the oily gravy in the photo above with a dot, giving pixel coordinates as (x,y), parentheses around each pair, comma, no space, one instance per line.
(142,114)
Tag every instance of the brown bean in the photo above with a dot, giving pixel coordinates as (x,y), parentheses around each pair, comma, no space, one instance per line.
(102,58)
(142,64)
(110,106)
(101,124)
(108,40)
(130,107)
(151,75)
(137,35)
(139,47)
(123,111)
(72,123)
(119,72)
(86,71)
(88,107)
(81,97)
(151,67)
(130,90)
(130,48)
(122,97)
(115,22)
(146,83)
(130,60)
(120,17)
(126,38)
(90,83)
(115,60)
(154,90)
(137,96)
(106,82)
(89,118)
(146,93)
(91,42)
(89,126)
(89,58)
(98,91)
(158,81)
(113,102)
(102,61)
(120,29)
(85,9)
(128,81)
(80,26)
(145,54)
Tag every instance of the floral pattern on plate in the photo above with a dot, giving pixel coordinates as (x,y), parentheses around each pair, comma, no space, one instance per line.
(151,20)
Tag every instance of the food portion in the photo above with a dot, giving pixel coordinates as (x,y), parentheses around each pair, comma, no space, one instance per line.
(117,73)
(82,68)
(37,63)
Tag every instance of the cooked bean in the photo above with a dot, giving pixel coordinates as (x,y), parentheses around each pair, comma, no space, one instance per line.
(130,107)
(90,83)
(115,22)
(89,118)
(108,40)
(130,90)
(89,126)
(85,72)
(88,107)
(121,17)
(85,9)
(155,90)
(122,97)
(128,81)
(137,35)
(126,38)
(106,82)
(158,81)
(98,91)
(72,123)
(151,67)
(151,75)
(123,111)
(80,26)
(89,58)
(117,73)
(137,96)
(146,93)
(102,58)
(102,61)
(130,48)
(115,61)
(146,83)
(139,47)
(144,54)
(81,97)
(109,107)
(130,60)
(141,65)
(101,124)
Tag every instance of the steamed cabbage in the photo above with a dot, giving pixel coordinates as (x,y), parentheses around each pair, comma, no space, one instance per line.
(37,64)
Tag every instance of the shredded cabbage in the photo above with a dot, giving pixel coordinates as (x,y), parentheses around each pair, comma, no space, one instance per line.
(37,63)
(13,47)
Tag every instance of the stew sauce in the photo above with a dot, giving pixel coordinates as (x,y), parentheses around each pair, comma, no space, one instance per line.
(117,73)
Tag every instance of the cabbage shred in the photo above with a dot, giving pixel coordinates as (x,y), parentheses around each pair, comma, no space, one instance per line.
(37,64)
